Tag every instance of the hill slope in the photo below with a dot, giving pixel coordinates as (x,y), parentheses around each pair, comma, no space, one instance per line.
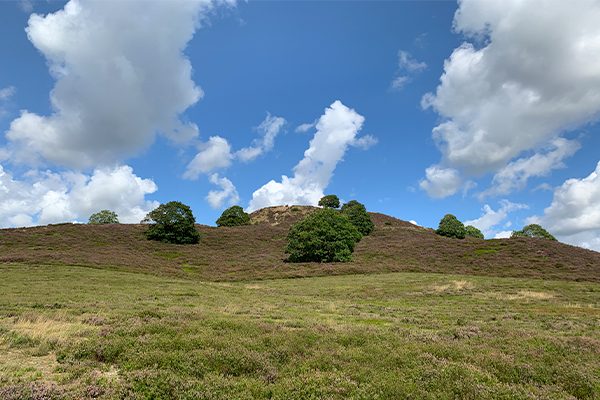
(257,251)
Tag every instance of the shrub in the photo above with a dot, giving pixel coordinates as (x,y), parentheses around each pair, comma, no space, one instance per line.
(104,217)
(450,226)
(234,216)
(533,231)
(358,215)
(323,236)
(473,232)
(329,201)
(172,222)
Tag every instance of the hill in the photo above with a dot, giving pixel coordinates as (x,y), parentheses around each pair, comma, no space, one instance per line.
(257,251)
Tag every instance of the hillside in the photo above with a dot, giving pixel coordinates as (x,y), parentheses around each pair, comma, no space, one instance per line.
(257,251)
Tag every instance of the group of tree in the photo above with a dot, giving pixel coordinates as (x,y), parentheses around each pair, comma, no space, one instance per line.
(329,234)
(450,226)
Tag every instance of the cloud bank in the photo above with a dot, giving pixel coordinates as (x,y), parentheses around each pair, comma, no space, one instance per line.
(48,197)
(121,78)
(532,80)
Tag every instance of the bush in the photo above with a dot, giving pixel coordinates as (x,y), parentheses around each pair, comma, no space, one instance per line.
(234,216)
(323,236)
(473,232)
(329,201)
(172,222)
(450,226)
(533,231)
(104,217)
(358,215)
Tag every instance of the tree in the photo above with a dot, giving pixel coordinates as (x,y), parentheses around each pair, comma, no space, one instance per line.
(329,201)
(450,226)
(533,231)
(234,216)
(323,236)
(104,217)
(172,222)
(473,232)
(358,215)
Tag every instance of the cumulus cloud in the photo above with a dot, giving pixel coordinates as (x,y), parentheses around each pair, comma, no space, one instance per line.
(503,235)
(407,66)
(42,197)
(269,129)
(121,78)
(214,154)
(492,218)
(516,174)
(226,194)
(336,130)
(441,182)
(531,80)
(574,214)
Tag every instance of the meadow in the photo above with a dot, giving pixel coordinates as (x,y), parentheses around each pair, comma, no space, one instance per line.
(97,333)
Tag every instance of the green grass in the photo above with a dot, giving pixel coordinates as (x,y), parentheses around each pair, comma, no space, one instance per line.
(72,332)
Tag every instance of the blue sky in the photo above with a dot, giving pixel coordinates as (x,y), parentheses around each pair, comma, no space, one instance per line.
(152,105)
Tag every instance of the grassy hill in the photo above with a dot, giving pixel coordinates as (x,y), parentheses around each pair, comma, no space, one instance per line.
(257,251)
(99,312)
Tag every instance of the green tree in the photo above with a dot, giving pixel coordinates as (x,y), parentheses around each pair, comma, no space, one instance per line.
(358,215)
(104,217)
(234,216)
(450,226)
(471,231)
(323,236)
(172,222)
(330,201)
(533,231)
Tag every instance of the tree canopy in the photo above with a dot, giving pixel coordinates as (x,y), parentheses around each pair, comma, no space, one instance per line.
(358,215)
(533,231)
(172,222)
(471,231)
(104,217)
(330,201)
(324,236)
(234,216)
(450,226)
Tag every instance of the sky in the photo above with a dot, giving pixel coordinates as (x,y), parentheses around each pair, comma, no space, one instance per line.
(414,108)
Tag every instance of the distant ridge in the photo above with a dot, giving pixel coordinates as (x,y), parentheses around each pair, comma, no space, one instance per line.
(257,251)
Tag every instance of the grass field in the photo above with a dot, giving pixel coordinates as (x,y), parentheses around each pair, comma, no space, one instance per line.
(75,332)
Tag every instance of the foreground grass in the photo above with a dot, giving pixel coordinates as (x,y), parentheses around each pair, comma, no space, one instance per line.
(72,332)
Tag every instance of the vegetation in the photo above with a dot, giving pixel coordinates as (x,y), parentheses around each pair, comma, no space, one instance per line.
(330,201)
(104,217)
(471,231)
(358,215)
(533,231)
(80,333)
(234,216)
(450,226)
(172,222)
(323,236)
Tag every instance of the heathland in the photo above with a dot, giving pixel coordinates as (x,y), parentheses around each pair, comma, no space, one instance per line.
(100,312)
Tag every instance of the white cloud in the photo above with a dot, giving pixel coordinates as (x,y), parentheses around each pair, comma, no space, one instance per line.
(227,194)
(407,66)
(574,214)
(269,129)
(336,130)
(26,5)
(515,175)
(365,142)
(440,182)
(303,128)
(412,221)
(214,154)
(492,218)
(503,235)
(47,197)
(533,79)
(7,92)
(121,77)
